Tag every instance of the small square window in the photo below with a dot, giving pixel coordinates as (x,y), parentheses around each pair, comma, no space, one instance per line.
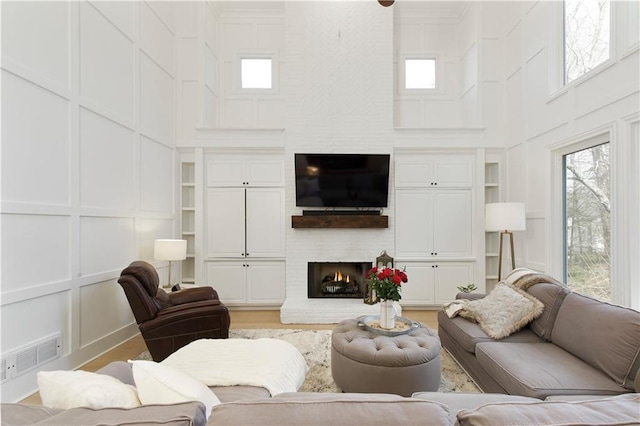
(420,73)
(255,73)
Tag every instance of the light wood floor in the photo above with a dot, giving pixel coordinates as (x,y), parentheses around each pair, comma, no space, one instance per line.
(239,319)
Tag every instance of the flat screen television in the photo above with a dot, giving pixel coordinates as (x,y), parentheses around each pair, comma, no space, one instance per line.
(342,180)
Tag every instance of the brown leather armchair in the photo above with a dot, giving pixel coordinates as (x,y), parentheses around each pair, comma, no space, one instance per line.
(169,321)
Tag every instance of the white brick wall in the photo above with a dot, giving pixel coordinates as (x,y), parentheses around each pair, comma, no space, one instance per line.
(338,82)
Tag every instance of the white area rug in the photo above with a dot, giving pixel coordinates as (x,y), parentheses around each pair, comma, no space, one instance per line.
(315,346)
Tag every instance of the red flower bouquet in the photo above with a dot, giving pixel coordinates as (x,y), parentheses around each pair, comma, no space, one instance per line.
(387,282)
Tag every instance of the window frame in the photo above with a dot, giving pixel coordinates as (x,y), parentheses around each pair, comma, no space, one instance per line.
(556,249)
(557,67)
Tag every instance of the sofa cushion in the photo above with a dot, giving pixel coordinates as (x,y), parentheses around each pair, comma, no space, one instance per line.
(551,296)
(468,334)
(604,335)
(468,401)
(503,311)
(67,389)
(619,410)
(330,409)
(539,370)
(239,392)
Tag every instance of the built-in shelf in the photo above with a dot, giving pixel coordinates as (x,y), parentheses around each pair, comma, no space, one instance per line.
(340,221)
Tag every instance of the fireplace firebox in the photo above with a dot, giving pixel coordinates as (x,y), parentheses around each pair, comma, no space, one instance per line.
(337,279)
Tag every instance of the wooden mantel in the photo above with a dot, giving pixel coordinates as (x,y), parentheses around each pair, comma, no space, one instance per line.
(340,221)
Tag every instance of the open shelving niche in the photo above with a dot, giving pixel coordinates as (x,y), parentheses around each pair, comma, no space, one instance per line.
(188,218)
(491,195)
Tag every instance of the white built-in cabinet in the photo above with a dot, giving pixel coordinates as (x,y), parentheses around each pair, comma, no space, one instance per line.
(245,227)
(238,283)
(434,219)
(434,171)
(431,282)
(433,223)
(245,222)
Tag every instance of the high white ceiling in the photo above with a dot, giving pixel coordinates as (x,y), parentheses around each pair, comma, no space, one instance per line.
(425,8)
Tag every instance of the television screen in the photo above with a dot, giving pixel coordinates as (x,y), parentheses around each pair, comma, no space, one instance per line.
(342,180)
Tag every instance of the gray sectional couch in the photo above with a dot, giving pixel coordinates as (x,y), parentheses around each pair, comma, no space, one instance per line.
(577,346)
(575,364)
(423,408)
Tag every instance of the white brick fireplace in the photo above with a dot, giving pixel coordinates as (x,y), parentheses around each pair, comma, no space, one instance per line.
(337,55)
(328,245)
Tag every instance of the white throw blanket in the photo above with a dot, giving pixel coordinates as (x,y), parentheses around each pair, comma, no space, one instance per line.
(270,363)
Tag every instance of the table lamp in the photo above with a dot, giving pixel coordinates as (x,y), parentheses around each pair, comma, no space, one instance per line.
(170,250)
(506,218)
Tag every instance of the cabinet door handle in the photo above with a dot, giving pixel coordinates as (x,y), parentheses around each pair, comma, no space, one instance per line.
(247,254)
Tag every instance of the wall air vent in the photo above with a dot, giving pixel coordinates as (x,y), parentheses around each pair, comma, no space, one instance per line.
(26,360)
(31,356)
(3,370)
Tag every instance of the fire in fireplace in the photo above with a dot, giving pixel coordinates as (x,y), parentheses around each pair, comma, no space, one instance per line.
(337,279)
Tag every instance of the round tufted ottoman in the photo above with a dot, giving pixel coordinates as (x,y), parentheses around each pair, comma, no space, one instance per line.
(364,361)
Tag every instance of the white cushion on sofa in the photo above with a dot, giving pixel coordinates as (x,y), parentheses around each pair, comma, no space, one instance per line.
(69,389)
(162,384)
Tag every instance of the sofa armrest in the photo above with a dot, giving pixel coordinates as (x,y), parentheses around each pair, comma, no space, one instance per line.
(26,414)
(195,311)
(470,296)
(179,414)
(189,295)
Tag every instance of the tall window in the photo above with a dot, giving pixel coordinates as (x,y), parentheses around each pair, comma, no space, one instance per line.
(587,211)
(586,36)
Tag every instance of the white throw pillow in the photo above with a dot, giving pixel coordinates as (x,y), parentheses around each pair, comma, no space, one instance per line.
(70,389)
(161,384)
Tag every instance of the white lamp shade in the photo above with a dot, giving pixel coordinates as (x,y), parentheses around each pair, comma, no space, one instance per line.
(170,249)
(505,217)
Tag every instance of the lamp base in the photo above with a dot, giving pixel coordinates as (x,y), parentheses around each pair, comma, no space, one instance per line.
(513,259)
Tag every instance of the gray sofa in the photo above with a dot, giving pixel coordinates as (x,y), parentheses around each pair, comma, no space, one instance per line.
(423,408)
(582,368)
(577,346)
